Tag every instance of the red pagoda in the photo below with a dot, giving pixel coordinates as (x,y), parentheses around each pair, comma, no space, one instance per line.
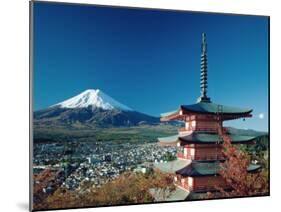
(200,141)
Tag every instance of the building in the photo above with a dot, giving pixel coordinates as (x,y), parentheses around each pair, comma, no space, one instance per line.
(200,140)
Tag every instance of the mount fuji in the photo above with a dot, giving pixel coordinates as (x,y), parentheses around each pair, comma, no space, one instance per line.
(91,108)
(95,98)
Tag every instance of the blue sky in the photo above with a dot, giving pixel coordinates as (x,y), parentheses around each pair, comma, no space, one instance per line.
(150,59)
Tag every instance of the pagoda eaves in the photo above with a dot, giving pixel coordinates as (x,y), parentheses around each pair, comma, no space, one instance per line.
(205,108)
(203,138)
(196,169)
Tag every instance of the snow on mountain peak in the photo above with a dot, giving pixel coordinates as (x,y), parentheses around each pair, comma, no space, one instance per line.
(95,98)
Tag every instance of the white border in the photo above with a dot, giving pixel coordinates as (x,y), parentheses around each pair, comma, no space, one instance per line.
(14,90)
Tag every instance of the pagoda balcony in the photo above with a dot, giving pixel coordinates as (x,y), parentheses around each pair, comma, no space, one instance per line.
(183,185)
(184,130)
(210,157)
(200,129)
(181,155)
(204,129)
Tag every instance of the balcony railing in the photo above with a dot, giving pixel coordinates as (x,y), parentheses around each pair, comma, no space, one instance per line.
(182,129)
(203,129)
(181,155)
(206,129)
(210,157)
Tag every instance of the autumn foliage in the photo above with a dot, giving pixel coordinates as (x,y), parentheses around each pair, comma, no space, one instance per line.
(128,188)
(234,171)
(40,182)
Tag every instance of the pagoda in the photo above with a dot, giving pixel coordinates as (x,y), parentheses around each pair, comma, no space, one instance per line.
(200,141)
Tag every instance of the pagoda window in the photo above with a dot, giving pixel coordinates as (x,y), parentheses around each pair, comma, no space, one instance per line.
(193,123)
(185,152)
(192,152)
(206,125)
(190,182)
(187,125)
(182,181)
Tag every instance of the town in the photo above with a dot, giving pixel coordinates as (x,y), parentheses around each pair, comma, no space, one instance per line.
(76,163)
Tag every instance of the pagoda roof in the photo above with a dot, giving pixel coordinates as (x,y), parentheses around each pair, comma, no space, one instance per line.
(199,169)
(172,166)
(196,169)
(207,108)
(204,138)
(169,113)
(178,194)
(210,138)
(175,195)
(169,140)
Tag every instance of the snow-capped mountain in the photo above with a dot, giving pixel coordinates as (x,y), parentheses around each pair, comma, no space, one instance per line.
(91,108)
(95,98)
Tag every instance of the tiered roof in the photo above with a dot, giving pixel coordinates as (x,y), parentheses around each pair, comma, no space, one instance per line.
(195,168)
(206,169)
(203,138)
(226,112)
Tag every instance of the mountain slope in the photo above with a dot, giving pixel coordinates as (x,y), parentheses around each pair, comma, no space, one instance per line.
(95,98)
(91,117)
(91,108)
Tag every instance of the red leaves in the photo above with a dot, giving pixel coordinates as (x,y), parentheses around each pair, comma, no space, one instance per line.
(234,171)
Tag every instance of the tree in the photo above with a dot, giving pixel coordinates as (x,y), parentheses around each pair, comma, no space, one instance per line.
(40,182)
(235,173)
(128,188)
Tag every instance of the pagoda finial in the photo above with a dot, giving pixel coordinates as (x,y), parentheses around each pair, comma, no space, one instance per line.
(203,79)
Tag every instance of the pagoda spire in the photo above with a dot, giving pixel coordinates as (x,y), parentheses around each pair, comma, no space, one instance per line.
(203,79)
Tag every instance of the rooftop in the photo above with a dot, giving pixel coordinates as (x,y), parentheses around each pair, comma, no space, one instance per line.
(176,195)
(199,169)
(195,169)
(227,112)
(172,166)
(204,138)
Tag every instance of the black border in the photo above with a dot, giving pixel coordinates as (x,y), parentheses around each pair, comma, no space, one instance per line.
(136,8)
(30,106)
